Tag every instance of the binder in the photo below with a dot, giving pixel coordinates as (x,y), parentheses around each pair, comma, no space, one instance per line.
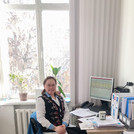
(123,106)
(132,108)
(116,103)
(128,106)
(128,122)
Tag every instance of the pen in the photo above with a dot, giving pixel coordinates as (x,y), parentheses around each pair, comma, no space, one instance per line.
(90,119)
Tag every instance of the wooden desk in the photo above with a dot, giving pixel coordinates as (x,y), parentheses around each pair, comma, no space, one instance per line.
(106,130)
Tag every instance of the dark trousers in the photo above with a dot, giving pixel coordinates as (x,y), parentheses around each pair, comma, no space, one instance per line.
(75,130)
(70,130)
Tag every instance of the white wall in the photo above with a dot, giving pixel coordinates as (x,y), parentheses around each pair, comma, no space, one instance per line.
(125,72)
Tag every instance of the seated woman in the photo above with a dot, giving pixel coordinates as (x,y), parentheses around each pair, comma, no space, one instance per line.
(52,111)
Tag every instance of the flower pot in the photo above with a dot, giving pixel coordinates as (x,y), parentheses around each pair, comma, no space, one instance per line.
(23,96)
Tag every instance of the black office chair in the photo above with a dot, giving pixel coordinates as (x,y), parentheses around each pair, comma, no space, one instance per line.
(34,125)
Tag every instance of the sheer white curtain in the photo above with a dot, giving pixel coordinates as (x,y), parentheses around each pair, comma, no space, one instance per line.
(94,43)
(4,63)
(4,86)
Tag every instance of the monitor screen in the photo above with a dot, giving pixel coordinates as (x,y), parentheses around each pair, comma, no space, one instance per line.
(101,88)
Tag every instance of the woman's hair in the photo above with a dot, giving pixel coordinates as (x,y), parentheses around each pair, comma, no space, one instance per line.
(44,82)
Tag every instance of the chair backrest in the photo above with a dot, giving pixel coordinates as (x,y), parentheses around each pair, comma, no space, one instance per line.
(34,125)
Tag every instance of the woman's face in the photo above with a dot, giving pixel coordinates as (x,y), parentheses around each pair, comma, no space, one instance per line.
(50,86)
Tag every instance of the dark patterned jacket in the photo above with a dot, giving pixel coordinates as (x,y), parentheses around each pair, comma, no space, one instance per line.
(54,113)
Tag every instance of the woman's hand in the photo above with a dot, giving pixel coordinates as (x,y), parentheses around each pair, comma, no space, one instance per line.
(60,129)
(57,93)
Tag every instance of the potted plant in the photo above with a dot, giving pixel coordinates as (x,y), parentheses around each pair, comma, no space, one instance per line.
(55,71)
(19,81)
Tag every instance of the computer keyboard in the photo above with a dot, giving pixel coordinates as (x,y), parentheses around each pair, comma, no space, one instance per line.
(99,108)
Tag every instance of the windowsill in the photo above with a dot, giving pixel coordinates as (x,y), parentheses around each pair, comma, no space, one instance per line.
(14,99)
(16,96)
(17,102)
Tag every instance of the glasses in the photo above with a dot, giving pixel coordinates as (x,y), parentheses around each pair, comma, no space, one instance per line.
(49,85)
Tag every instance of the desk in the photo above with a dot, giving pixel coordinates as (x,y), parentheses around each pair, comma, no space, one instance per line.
(106,130)
(101,130)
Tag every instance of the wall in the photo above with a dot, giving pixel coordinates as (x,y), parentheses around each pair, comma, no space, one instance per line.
(8,114)
(125,71)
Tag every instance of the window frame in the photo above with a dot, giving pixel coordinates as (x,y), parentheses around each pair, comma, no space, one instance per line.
(38,7)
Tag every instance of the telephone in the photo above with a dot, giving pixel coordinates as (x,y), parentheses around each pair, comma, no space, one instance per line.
(86,104)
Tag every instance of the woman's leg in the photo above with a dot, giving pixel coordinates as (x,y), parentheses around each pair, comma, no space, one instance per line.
(75,130)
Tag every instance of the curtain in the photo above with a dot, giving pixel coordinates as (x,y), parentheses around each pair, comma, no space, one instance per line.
(4,70)
(3,80)
(94,43)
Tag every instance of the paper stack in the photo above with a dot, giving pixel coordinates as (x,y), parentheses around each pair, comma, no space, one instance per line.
(81,112)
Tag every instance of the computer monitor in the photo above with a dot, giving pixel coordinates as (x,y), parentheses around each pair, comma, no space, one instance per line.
(101,88)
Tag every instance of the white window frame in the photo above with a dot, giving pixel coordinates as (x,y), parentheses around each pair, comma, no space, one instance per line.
(38,7)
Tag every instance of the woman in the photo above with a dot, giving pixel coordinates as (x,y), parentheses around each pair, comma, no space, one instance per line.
(52,111)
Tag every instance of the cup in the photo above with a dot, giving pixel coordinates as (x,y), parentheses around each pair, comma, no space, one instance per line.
(102,115)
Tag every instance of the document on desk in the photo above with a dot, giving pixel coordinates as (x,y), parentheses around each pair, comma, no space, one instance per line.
(100,123)
(81,112)
(128,132)
(108,122)
(86,126)
(87,119)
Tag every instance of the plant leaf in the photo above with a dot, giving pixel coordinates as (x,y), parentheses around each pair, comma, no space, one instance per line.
(58,69)
(59,82)
(52,67)
(60,89)
(55,71)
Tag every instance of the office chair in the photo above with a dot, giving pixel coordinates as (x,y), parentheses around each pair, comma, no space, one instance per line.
(35,127)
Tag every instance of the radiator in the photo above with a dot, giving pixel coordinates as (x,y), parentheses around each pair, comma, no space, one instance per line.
(23,119)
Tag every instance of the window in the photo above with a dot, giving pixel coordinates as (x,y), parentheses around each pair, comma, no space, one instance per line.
(22,45)
(36,36)
(19,1)
(55,1)
(55,43)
